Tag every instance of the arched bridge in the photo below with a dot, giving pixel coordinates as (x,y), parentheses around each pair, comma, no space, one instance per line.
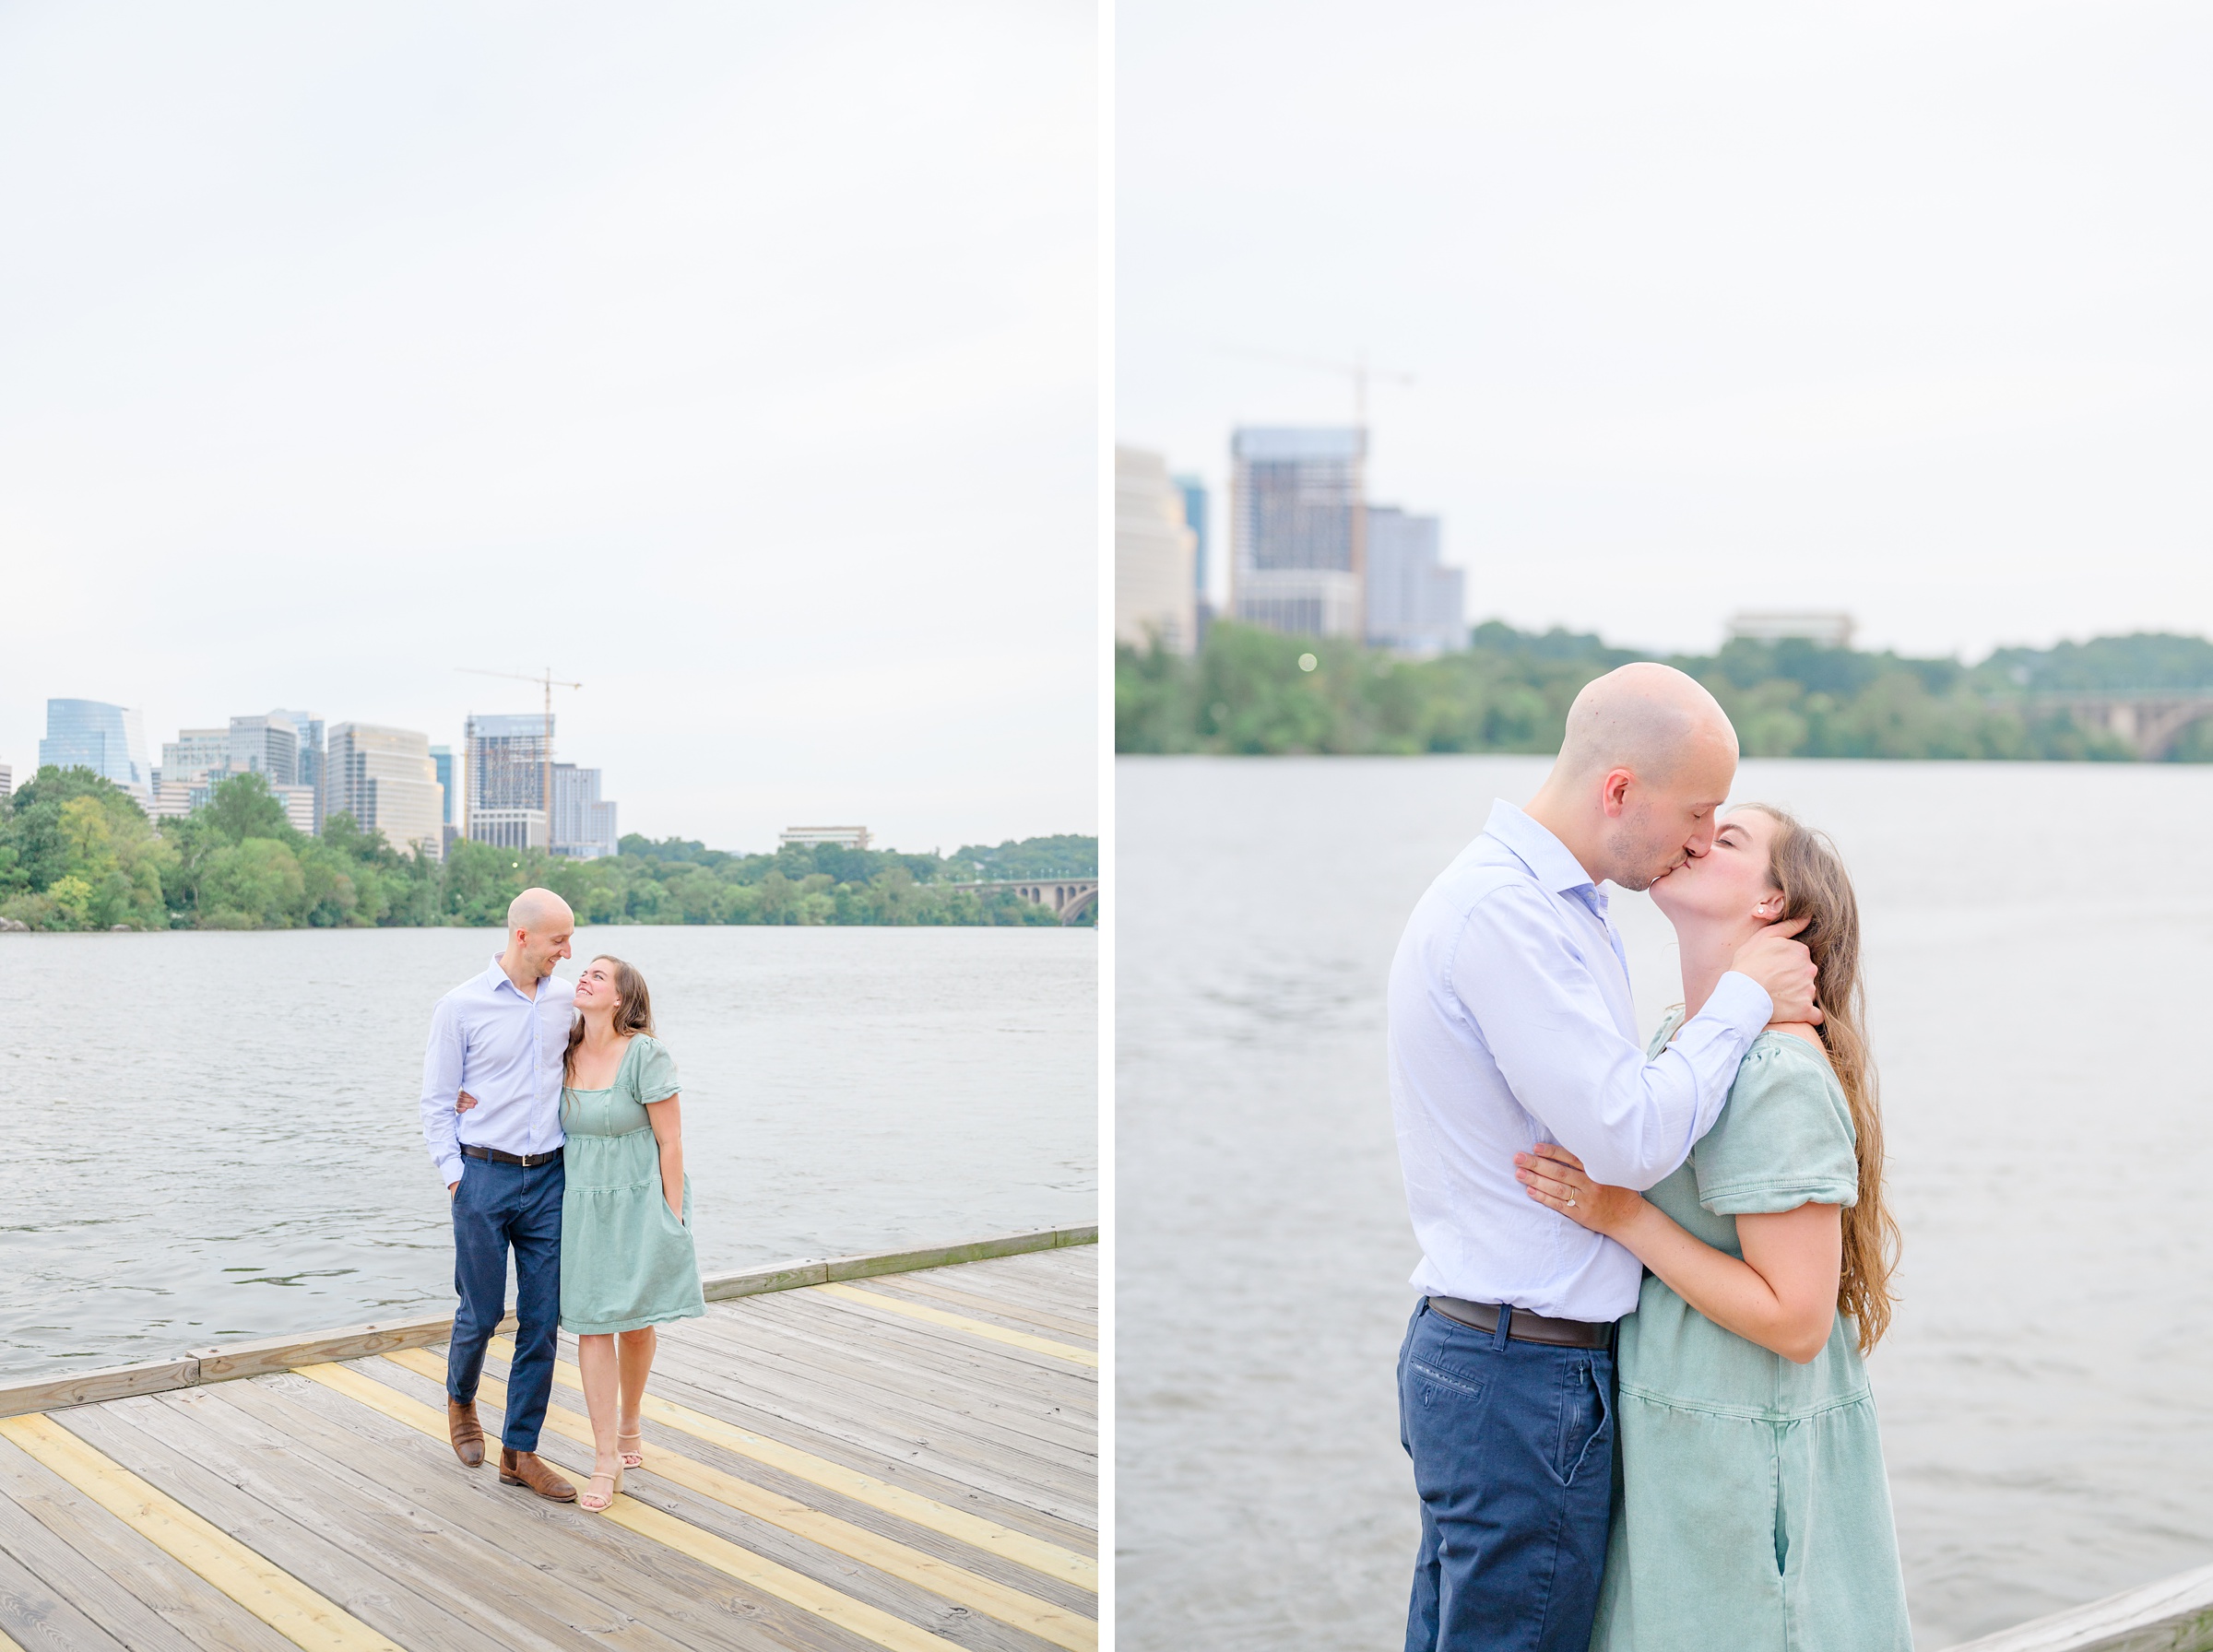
(1071,897)
(2150,722)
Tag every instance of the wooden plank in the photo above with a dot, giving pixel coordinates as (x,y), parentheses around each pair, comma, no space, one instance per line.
(2173,1615)
(1038,1281)
(830,1336)
(965,1324)
(88,1388)
(643,1591)
(1069,1459)
(332,1571)
(111,1574)
(894,1559)
(853,1312)
(352,1342)
(957,1481)
(988,1536)
(425,1559)
(279,1600)
(996,1418)
(870,1623)
(783,1276)
(278,1353)
(841,1332)
(1015,1479)
(984,1427)
(32,1614)
(1020,1316)
(335,1477)
(942,1255)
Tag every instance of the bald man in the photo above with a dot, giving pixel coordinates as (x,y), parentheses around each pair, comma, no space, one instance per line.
(1510,1024)
(503,1035)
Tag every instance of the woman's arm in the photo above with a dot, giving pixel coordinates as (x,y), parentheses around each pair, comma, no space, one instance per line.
(668,1123)
(1782,1295)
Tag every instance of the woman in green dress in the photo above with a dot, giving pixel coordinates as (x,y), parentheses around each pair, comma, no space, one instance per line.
(627,1259)
(1751,1510)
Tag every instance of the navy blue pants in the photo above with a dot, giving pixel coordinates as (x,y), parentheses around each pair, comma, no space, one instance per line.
(499,1207)
(1513,1455)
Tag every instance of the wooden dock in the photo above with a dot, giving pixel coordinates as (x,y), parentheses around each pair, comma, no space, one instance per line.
(890,1452)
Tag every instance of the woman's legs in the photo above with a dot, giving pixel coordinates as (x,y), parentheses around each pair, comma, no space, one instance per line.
(636,1358)
(596,1360)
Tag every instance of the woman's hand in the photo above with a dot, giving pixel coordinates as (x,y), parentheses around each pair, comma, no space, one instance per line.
(464,1101)
(1555,1177)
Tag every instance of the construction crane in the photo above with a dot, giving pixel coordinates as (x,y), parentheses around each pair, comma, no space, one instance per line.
(1359,372)
(547,681)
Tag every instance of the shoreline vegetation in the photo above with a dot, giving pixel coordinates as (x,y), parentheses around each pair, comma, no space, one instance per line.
(1247,692)
(77,853)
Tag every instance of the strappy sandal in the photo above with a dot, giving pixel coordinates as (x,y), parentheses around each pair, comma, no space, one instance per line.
(590,1499)
(632,1460)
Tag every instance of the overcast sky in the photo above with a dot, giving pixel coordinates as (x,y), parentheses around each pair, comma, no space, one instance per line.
(1898,308)
(739,361)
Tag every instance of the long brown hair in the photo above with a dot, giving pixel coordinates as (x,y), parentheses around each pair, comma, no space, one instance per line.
(633,1009)
(1804,867)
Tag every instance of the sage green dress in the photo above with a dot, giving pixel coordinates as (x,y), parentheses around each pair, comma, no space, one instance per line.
(1751,1512)
(626,1261)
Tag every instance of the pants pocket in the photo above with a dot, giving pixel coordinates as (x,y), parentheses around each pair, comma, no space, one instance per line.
(1586,1423)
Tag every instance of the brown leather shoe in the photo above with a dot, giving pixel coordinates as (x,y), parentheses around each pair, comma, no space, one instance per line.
(468,1433)
(526,1468)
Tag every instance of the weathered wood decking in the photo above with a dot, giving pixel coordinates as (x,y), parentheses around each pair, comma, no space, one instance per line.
(901,1461)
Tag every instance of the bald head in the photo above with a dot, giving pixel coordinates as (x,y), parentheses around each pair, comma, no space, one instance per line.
(536,910)
(1647,718)
(1649,756)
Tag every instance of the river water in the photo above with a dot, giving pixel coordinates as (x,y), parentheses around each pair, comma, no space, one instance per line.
(2038,956)
(216,1135)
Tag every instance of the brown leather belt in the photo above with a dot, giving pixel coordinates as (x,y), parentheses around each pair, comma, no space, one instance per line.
(1524,1326)
(493,1155)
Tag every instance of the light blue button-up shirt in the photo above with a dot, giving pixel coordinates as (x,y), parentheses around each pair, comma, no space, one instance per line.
(504,1049)
(1511,1024)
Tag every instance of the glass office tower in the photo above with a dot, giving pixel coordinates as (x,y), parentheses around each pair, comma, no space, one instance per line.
(108,739)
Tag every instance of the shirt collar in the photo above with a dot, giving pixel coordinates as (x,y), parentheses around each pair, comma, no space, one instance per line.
(1538,850)
(495,977)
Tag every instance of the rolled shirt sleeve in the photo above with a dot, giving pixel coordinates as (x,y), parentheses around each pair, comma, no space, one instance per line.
(1548,1026)
(441,1091)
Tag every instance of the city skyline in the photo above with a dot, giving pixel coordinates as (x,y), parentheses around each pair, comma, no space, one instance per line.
(1705,310)
(311,406)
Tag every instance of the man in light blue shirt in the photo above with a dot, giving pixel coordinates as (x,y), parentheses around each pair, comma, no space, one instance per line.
(1510,1024)
(503,1035)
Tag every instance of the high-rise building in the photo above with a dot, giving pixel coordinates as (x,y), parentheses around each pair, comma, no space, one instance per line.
(504,792)
(267,746)
(1415,603)
(7,781)
(1155,601)
(194,755)
(1297,530)
(1193,489)
(384,779)
(442,759)
(108,739)
(307,733)
(584,823)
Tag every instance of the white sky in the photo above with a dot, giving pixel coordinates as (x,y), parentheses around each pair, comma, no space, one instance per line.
(1900,308)
(738,361)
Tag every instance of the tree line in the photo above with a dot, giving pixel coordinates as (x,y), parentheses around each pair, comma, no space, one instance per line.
(77,852)
(1249,690)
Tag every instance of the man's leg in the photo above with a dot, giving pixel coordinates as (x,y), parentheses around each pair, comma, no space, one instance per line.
(1512,1446)
(536,1235)
(480,1220)
(1421,1611)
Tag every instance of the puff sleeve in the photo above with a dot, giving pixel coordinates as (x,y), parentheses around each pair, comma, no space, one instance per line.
(656,1072)
(1784,1139)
